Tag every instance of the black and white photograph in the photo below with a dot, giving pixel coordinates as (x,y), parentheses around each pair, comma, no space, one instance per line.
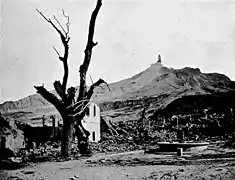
(117,89)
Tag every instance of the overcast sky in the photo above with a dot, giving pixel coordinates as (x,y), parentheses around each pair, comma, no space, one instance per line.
(195,33)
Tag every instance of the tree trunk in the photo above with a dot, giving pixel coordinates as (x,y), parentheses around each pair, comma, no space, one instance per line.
(72,112)
(67,136)
(83,139)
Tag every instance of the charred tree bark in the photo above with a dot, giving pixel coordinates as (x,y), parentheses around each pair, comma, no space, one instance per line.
(71,111)
(67,136)
(65,98)
(83,135)
(83,139)
(88,52)
(68,121)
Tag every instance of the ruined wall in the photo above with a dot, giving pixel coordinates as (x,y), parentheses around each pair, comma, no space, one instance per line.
(91,122)
(15,143)
(10,136)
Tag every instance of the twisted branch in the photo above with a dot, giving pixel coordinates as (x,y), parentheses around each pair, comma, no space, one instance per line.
(93,86)
(61,89)
(88,52)
(50,97)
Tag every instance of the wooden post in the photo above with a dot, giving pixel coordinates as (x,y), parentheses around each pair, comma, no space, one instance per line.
(53,125)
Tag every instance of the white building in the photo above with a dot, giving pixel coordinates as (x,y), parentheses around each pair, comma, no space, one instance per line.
(91,122)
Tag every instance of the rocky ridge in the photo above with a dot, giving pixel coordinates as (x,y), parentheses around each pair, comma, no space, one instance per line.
(154,87)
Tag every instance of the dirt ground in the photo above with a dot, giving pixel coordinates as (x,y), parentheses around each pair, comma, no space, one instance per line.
(214,163)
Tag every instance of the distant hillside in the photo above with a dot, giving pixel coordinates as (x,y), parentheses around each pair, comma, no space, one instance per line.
(155,87)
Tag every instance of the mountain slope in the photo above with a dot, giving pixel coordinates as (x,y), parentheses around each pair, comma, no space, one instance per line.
(154,87)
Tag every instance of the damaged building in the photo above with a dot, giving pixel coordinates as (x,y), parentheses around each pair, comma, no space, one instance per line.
(11,138)
(44,128)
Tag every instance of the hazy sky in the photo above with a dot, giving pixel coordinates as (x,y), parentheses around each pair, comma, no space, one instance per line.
(195,33)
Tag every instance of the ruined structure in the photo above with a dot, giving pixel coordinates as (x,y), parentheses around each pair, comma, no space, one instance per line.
(92,123)
(11,138)
(43,129)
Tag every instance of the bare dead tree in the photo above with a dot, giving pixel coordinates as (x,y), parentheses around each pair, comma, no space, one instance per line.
(71,109)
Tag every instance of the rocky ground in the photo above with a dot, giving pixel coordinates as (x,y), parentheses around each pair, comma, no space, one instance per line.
(214,163)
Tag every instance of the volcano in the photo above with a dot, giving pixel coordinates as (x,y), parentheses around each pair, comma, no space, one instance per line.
(156,88)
